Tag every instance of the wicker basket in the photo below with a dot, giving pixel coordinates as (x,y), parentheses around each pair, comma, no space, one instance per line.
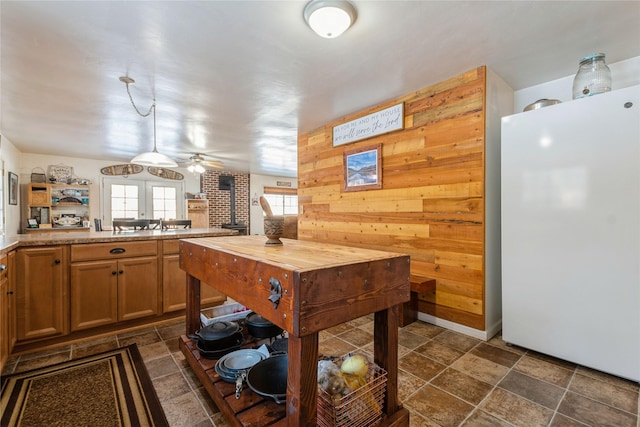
(38,175)
(362,407)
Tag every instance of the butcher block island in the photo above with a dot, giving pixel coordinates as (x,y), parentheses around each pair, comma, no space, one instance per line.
(303,287)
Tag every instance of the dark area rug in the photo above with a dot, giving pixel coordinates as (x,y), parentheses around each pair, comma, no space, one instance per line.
(107,389)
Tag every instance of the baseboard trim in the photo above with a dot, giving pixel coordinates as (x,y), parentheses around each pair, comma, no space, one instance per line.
(476,333)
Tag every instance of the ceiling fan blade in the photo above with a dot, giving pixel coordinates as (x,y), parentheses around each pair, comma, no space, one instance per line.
(213,164)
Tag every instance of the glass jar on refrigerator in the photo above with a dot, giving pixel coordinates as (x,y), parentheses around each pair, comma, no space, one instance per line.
(593,76)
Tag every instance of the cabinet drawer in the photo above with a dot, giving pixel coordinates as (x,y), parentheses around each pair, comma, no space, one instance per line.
(171,246)
(91,251)
(39,198)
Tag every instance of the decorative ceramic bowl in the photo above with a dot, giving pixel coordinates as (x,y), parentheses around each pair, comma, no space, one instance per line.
(273,228)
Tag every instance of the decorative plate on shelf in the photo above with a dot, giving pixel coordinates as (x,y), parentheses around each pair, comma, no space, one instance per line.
(66,221)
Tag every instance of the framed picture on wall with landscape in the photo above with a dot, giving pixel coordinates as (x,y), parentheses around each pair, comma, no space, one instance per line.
(362,168)
(13,188)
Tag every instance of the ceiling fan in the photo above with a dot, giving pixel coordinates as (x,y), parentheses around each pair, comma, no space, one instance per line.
(198,164)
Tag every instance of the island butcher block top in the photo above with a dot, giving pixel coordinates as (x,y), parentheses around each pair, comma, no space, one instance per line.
(303,287)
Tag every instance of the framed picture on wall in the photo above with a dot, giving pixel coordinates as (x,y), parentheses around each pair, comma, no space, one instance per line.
(13,188)
(362,169)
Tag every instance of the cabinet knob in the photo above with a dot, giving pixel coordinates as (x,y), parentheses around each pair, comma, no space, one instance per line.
(114,273)
(57,261)
(9,292)
(121,271)
(3,267)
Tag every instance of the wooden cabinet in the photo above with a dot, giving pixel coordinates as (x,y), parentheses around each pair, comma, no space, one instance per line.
(42,292)
(197,210)
(7,307)
(120,284)
(174,294)
(58,206)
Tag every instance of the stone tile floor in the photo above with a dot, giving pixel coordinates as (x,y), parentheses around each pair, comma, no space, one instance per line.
(446,379)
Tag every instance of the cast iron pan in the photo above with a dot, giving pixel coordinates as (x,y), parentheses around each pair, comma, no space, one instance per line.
(268,378)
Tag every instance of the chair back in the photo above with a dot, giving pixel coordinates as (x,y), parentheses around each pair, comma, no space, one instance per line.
(130,224)
(175,223)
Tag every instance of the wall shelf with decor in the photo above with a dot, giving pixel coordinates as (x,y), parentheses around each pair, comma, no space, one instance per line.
(57,207)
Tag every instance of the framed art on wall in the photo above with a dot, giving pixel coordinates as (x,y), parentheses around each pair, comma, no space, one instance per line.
(362,169)
(13,188)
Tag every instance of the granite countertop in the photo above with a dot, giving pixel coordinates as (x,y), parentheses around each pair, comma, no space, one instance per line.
(44,238)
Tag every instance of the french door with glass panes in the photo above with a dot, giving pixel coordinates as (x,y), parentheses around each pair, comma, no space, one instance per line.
(141,199)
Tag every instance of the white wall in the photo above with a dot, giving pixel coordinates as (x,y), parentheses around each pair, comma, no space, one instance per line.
(623,74)
(11,157)
(256,189)
(498,104)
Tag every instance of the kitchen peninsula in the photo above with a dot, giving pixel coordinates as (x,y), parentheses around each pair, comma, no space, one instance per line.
(62,287)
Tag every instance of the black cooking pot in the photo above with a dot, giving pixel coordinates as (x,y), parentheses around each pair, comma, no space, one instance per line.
(216,354)
(260,327)
(268,378)
(217,336)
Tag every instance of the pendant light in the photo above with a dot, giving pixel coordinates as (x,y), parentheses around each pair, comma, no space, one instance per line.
(329,18)
(150,158)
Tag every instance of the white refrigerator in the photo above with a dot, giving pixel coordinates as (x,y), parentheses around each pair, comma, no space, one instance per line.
(570,176)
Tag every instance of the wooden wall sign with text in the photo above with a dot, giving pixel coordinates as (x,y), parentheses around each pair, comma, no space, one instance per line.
(373,124)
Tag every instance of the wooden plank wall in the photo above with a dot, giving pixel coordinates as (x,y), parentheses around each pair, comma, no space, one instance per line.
(431,205)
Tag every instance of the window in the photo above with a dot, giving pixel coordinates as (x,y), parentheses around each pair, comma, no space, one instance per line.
(124,201)
(140,199)
(164,203)
(283,201)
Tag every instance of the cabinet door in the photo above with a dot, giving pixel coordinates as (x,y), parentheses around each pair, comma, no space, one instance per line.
(94,290)
(174,294)
(41,293)
(137,288)
(4,310)
(11,302)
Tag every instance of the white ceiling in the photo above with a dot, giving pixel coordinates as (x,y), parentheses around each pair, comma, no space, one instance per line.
(239,80)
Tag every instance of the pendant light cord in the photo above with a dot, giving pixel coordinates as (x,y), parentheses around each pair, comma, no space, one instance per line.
(152,108)
(136,108)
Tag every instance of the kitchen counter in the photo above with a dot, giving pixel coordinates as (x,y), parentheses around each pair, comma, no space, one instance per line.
(9,243)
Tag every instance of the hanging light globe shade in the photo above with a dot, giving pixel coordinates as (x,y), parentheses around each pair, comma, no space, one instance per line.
(153,158)
(196,168)
(329,18)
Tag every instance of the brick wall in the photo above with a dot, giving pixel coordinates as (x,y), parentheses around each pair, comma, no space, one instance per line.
(219,200)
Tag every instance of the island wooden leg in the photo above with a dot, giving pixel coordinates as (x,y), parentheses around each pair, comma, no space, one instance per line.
(193,304)
(385,348)
(302,381)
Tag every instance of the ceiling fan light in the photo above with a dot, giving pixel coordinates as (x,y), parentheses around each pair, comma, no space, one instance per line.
(329,18)
(153,158)
(199,168)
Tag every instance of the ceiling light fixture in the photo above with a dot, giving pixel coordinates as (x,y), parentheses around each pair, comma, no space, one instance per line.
(196,168)
(151,158)
(329,18)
